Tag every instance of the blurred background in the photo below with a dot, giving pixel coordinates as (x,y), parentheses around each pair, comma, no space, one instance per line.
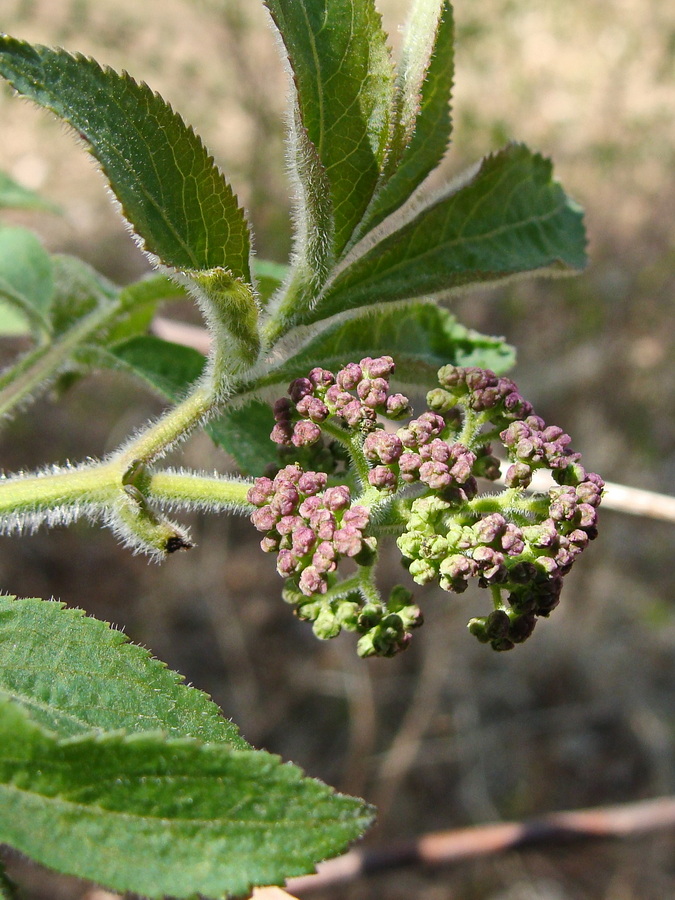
(449,734)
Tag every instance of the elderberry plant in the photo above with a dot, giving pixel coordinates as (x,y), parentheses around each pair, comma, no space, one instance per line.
(148,788)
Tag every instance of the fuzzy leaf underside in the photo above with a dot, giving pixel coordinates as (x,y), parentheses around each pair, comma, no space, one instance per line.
(420,142)
(160,816)
(26,277)
(15,196)
(343,78)
(169,188)
(74,674)
(511,218)
(244,433)
(165,367)
(420,337)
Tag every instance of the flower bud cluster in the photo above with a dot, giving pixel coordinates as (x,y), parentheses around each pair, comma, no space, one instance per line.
(519,548)
(355,396)
(309,526)
(385,629)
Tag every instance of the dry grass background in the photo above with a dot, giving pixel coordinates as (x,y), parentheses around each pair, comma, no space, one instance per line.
(448,734)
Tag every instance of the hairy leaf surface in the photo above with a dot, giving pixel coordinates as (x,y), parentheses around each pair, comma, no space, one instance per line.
(511,218)
(169,188)
(423,123)
(74,674)
(157,816)
(343,78)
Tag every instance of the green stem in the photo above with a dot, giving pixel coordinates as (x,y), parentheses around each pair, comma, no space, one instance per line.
(173,426)
(191,489)
(87,484)
(19,382)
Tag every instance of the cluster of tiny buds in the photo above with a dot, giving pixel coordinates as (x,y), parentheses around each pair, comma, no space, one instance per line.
(520,548)
(309,525)
(355,396)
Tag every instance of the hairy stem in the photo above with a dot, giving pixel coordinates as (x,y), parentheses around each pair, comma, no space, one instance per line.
(38,367)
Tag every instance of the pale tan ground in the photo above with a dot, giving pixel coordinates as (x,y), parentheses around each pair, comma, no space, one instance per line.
(448,734)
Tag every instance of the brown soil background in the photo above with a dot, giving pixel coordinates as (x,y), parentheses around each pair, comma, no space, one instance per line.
(448,734)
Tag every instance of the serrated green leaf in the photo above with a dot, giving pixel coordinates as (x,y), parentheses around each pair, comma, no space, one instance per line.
(244,433)
(26,279)
(343,78)
(74,674)
(166,367)
(169,188)
(511,218)
(157,816)
(420,338)
(14,196)
(423,123)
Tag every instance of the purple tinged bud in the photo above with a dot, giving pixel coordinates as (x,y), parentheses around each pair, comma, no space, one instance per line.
(578,537)
(463,466)
(519,475)
(303,540)
(352,413)
(282,410)
(312,408)
(324,558)
(382,447)
(312,582)
(321,378)
(358,516)
(435,474)
(269,544)
(312,483)
(337,398)
(301,387)
(587,515)
(348,540)
(512,540)
(382,478)
(323,523)
(348,378)
(409,466)
(282,433)
(380,367)
(490,563)
(288,524)
(305,433)
(563,507)
(285,501)
(287,563)
(264,519)
(478,379)
(452,376)
(289,474)
(337,498)
(589,491)
(490,528)
(261,491)
(373,393)
(548,565)
(536,423)
(397,406)
(309,506)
